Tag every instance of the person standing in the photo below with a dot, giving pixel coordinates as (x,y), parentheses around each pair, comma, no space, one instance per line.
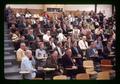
(26,65)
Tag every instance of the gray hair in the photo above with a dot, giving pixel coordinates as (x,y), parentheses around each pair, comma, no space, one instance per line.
(27,52)
(22,44)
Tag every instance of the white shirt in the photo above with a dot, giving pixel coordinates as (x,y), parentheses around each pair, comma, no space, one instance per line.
(26,65)
(40,53)
(53,45)
(41,18)
(76,33)
(28,15)
(33,21)
(46,38)
(71,19)
(82,45)
(61,37)
(17,15)
(59,51)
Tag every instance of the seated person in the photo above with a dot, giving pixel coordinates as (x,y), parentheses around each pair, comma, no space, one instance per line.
(68,62)
(61,37)
(99,45)
(52,62)
(60,50)
(83,44)
(108,49)
(92,53)
(47,36)
(76,51)
(30,38)
(16,39)
(40,53)
(67,59)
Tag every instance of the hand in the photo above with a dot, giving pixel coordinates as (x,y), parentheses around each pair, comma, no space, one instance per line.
(34,70)
(79,55)
(74,67)
(40,68)
(74,60)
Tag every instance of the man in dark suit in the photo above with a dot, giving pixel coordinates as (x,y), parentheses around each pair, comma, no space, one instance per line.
(68,63)
(67,60)
(52,62)
(108,49)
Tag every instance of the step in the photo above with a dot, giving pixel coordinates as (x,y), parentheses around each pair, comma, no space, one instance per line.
(7,41)
(7,64)
(6,35)
(10,55)
(8,45)
(6,53)
(6,31)
(7,38)
(14,77)
(9,58)
(8,48)
(11,70)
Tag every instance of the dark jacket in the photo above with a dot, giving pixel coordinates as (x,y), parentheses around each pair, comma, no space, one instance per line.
(66,61)
(51,63)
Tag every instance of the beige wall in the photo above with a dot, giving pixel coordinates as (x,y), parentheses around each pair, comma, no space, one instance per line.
(81,7)
(105,8)
(29,6)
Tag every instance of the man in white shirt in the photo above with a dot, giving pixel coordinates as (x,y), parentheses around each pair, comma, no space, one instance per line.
(46,37)
(83,44)
(28,15)
(26,65)
(18,15)
(75,33)
(61,37)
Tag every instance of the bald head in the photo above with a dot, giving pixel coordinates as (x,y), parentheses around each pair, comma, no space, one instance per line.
(28,53)
(69,52)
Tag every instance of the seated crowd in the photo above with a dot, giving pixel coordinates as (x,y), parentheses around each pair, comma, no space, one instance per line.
(62,42)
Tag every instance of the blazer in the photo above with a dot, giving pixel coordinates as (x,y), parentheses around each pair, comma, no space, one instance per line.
(66,62)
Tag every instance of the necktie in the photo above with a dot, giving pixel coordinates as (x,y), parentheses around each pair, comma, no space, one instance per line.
(85,44)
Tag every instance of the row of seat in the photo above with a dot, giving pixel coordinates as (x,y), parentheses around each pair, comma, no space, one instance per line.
(105,74)
(82,76)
